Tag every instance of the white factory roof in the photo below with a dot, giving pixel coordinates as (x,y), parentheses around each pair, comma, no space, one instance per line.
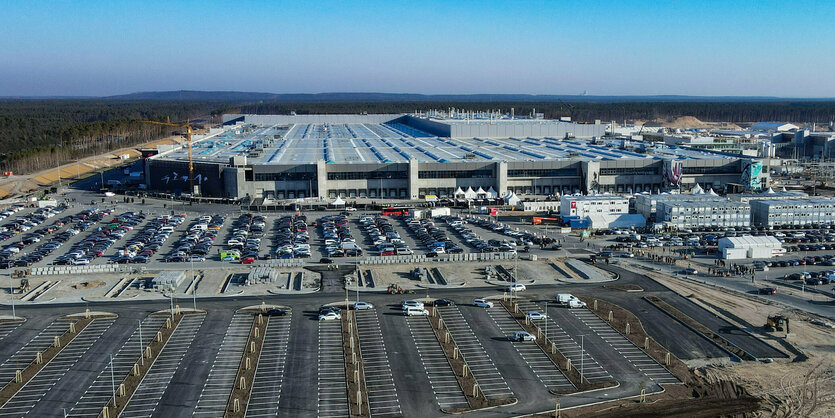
(773,126)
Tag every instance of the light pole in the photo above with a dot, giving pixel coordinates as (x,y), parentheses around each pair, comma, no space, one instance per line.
(113,380)
(582,355)
(141,346)
(194,284)
(11,293)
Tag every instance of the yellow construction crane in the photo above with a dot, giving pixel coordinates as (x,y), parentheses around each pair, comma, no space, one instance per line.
(187,125)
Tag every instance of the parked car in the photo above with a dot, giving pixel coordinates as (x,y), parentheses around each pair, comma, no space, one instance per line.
(516,287)
(535,316)
(362,306)
(329,316)
(520,336)
(443,302)
(482,303)
(275,312)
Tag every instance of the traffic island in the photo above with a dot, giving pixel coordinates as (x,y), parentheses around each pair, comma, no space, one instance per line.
(698,327)
(466,380)
(354,370)
(76,324)
(239,398)
(140,369)
(630,326)
(550,349)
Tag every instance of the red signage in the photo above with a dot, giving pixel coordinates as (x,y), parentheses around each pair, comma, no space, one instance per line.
(573,205)
(494,211)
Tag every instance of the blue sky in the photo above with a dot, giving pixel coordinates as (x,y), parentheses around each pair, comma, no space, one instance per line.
(101,47)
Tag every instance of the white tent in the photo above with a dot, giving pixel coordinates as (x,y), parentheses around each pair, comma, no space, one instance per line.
(711,192)
(459,193)
(470,193)
(784,188)
(338,202)
(770,191)
(481,193)
(492,194)
(511,199)
(698,189)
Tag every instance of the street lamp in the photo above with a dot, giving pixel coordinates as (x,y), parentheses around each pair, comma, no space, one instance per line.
(11,293)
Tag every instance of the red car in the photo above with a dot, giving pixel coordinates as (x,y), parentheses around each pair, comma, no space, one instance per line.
(387,253)
(248,260)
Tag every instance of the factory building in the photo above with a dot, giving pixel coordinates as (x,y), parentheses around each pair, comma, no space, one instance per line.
(793,212)
(410,157)
(647,204)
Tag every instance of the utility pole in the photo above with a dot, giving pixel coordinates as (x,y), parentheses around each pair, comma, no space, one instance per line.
(113,380)
(141,346)
(11,293)
(194,284)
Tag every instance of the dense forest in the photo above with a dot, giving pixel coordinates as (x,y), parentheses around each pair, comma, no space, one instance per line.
(41,134)
(36,134)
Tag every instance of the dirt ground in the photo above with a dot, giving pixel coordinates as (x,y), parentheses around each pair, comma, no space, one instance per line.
(801,386)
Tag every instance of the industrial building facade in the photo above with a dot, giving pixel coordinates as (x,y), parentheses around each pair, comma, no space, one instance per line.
(793,212)
(411,157)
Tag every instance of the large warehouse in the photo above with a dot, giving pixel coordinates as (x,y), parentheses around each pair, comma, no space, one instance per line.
(400,156)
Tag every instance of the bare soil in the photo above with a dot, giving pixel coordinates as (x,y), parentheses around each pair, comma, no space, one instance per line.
(89,285)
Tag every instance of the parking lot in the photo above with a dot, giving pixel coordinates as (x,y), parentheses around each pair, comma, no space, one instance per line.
(447,391)
(269,378)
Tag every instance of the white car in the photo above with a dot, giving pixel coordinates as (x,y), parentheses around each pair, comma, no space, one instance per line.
(362,306)
(535,316)
(329,316)
(411,304)
(516,287)
(482,303)
(350,209)
(412,311)
(523,336)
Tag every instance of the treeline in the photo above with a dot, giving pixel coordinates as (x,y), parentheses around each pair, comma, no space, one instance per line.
(736,112)
(41,134)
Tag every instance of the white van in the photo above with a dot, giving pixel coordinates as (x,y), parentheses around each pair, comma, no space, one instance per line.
(415,311)
(167,229)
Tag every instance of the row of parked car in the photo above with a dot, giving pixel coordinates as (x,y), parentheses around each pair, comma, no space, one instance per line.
(149,240)
(93,245)
(11,210)
(11,250)
(433,238)
(481,245)
(197,243)
(29,221)
(292,239)
(385,239)
(338,239)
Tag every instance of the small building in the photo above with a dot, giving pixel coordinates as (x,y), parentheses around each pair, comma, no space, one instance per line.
(793,212)
(647,204)
(746,246)
(583,206)
(704,214)
(547,206)
(773,127)
(168,280)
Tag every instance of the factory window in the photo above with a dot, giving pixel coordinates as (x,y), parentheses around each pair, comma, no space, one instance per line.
(725,169)
(455,174)
(285,176)
(635,171)
(556,172)
(360,175)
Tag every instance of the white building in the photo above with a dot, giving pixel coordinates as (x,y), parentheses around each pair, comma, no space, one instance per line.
(773,127)
(546,206)
(704,214)
(746,246)
(583,206)
(646,204)
(793,212)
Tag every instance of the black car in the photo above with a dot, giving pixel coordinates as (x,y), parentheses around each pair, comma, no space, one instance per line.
(275,312)
(327,308)
(325,260)
(443,302)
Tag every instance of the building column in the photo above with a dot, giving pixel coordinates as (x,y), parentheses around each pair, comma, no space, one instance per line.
(321,179)
(413,179)
(501,178)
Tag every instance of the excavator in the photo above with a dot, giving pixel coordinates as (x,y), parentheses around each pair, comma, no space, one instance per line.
(188,128)
(777,323)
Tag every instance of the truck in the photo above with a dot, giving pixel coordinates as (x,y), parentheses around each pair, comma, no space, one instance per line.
(569,300)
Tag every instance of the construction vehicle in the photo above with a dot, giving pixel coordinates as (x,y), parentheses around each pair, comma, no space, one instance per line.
(187,126)
(777,323)
(394,289)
